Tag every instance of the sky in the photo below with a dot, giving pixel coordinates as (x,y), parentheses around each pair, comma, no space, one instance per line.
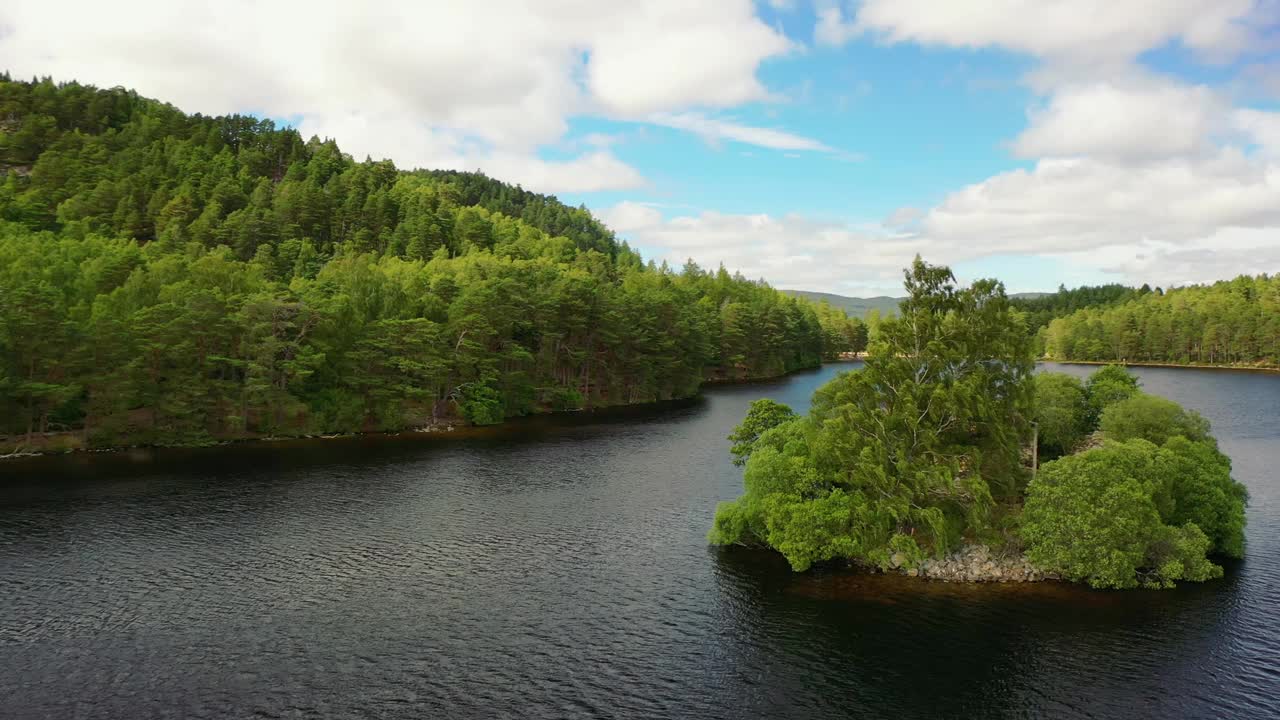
(818,144)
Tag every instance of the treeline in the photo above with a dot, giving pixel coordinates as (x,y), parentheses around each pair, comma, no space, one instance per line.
(175,279)
(1233,322)
(1045,308)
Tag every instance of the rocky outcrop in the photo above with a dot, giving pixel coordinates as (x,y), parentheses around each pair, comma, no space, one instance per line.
(977,563)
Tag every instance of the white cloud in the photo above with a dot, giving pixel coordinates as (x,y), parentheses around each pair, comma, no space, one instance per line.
(649,57)
(1136,174)
(1225,253)
(714,131)
(1130,123)
(1062,28)
(904,218)
(1072,205)
(436,83)
(628,216)
(790,251)
(594,171)
(1172,222)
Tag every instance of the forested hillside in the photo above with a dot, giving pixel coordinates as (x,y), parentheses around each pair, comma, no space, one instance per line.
(174,279)
(1233,322)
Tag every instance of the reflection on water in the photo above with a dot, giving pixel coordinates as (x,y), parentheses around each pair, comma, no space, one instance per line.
(558,568)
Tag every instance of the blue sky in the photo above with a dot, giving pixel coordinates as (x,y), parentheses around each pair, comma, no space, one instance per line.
(916,122)
(818,144)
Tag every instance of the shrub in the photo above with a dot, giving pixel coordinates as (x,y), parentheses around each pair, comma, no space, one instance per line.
(565,398)
(1152,418)
(482,405)
(1095,517)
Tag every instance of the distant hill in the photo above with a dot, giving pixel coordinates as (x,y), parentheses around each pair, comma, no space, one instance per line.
(859,307)
(853,307)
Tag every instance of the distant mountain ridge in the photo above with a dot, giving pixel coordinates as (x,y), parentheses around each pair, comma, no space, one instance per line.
(859,307)
(853,307)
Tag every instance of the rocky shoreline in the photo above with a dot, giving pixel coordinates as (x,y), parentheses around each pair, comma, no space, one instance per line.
(975,564)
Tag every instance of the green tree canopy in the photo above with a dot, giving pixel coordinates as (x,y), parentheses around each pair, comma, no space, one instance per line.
(1152,418)
(1108,385)
(764,414)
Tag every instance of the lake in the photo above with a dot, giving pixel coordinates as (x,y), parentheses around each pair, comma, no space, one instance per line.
(558,568)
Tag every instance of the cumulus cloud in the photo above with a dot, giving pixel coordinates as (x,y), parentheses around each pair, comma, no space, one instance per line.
(790,251)
(436,83)
(1135,173)
(628,216)
(1225,253)
(1172,224)
(1046,28)
(1065,205)
(1125,124)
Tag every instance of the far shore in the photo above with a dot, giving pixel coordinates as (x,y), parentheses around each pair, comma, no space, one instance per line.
(67,442)
(1190,366)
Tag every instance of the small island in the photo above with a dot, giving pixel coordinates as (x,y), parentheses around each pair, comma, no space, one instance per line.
(927,461)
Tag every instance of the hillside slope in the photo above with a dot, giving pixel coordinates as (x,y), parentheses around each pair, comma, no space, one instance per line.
(168,278)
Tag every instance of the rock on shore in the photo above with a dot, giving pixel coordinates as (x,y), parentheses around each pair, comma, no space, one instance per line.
(977,563)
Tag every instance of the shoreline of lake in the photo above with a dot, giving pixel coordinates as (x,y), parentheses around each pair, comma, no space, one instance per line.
(1271,369)
(10,448)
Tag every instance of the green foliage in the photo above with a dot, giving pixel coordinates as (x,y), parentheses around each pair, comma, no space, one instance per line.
(899,458)
(482,405)
(1202,492)
(1061,413)
(1152,418)
(1232,322)
(764,414)
(172,278)
(1134,513)
(1095,517)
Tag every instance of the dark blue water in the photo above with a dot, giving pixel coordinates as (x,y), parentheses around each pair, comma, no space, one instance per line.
(559,569)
